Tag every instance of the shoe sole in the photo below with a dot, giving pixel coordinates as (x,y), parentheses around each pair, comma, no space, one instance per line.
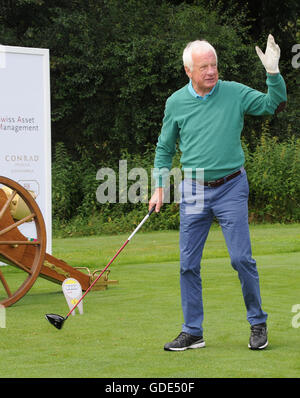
(197,345)
(258,348)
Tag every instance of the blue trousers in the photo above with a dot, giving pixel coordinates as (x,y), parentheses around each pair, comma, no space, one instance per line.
(229,204)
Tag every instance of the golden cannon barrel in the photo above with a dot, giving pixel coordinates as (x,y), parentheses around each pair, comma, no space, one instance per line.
(18,208)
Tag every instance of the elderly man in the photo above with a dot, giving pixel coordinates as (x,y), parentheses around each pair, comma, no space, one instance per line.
(206,116)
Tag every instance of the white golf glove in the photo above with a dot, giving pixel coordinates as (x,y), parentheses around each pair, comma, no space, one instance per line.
(270,59)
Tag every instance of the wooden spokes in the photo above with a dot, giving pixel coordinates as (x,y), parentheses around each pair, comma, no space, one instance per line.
(16,224)
(7,203)
(16,249)
(19,242)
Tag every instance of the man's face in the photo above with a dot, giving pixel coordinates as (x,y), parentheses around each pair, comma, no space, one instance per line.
(204,74)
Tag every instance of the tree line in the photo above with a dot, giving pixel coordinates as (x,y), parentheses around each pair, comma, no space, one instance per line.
(113,64)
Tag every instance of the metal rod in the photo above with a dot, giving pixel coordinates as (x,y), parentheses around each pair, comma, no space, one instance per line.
(114,257)
(98,277)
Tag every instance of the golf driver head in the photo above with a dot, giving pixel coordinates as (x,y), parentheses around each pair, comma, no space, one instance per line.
(55,320)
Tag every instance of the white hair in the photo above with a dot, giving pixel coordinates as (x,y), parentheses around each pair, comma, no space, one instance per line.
(197,45)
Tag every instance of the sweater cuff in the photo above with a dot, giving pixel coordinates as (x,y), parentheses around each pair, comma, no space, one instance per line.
(273,78)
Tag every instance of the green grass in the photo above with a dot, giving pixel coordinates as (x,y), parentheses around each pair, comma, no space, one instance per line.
(123,329)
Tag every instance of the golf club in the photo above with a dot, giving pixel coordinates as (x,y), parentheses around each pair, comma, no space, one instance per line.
(58,320)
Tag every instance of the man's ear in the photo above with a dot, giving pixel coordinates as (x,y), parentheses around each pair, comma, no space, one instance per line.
(188,71)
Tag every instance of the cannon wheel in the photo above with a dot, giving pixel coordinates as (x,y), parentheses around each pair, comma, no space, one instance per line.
(11,237)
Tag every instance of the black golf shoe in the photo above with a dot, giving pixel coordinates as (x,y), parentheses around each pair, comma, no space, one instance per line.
(259,337)
(185,341)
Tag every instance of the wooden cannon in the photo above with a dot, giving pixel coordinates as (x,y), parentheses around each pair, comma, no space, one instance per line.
(18,206)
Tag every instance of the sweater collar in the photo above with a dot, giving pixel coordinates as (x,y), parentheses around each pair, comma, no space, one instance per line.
(194,94)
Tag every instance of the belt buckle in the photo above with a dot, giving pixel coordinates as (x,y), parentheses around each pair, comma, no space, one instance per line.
(212,184)
(215,183)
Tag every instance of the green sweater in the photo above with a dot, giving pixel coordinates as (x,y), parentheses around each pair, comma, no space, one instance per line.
(209,131)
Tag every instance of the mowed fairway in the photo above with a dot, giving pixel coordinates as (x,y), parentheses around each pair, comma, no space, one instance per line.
(123,329)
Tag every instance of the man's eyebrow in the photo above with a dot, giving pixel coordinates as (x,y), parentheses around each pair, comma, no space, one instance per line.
(207,63)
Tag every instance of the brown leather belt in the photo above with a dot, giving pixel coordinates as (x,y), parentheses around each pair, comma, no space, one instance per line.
(221,181)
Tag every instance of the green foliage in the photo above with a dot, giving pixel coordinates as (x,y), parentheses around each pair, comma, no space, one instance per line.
(73,185)
(272,170)
(76,210)
(113,64)
(64,184)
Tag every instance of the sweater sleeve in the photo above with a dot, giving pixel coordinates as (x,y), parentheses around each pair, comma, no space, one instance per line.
(166,146)
(257,103)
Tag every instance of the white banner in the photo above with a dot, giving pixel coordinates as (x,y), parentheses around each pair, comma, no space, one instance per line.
(25,126)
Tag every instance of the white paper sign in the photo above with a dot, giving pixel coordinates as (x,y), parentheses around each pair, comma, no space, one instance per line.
(25,127)
(73,292)
(2,316)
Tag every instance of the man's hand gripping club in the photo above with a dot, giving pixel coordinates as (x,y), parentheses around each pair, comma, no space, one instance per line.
(157,199)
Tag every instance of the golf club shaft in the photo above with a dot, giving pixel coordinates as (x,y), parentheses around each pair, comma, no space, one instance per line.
(114,257)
